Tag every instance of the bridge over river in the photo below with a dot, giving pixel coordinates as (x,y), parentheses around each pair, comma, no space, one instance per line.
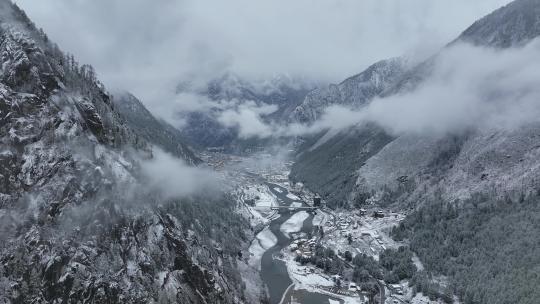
(285,208)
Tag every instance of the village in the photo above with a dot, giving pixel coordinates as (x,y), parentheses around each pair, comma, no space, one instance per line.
(347,233)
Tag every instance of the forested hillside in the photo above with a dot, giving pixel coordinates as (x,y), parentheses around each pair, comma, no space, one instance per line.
(80,222)
(487,248)
(454,157)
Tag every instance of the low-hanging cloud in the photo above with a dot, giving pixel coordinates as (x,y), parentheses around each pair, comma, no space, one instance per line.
(248,119)
(245,115)
(171,177)
(469,87)
(147,47)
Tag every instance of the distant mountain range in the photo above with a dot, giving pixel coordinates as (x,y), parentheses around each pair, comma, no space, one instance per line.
(202,127)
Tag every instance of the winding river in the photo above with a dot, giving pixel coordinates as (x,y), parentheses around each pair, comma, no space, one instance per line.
(274,271)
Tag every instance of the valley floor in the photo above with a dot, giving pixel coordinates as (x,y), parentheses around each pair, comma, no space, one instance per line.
(261,184)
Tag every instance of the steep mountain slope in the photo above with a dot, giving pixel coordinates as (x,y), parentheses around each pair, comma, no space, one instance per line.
(512,25)
(353,92)
(456,164)
(328,161)
(332,169)
(157,132)
(481,160)
(472,194)
(77,220)
(485,249)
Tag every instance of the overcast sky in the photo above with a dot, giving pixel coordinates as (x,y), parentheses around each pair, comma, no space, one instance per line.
(147,46)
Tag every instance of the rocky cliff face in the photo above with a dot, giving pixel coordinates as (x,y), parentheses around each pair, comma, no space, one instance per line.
(353,92)
(410,168)
(76,222)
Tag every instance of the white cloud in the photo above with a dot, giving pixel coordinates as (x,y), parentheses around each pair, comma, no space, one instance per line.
(147,46)
(172,177)
(470,87)
(248,118)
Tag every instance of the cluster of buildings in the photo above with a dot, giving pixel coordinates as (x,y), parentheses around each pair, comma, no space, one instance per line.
(396,288)
(343,223)
(349,289)
(303,247)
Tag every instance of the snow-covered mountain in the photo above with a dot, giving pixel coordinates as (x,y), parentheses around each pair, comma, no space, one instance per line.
(77,222)
(352,92)
(228,92)
(510,26)
(513,25)
(413,167)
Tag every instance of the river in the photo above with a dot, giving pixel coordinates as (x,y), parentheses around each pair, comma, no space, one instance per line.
(274,271)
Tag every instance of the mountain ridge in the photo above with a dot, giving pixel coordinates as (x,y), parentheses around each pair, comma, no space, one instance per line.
(78,221)
(369,174)
(151,129)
